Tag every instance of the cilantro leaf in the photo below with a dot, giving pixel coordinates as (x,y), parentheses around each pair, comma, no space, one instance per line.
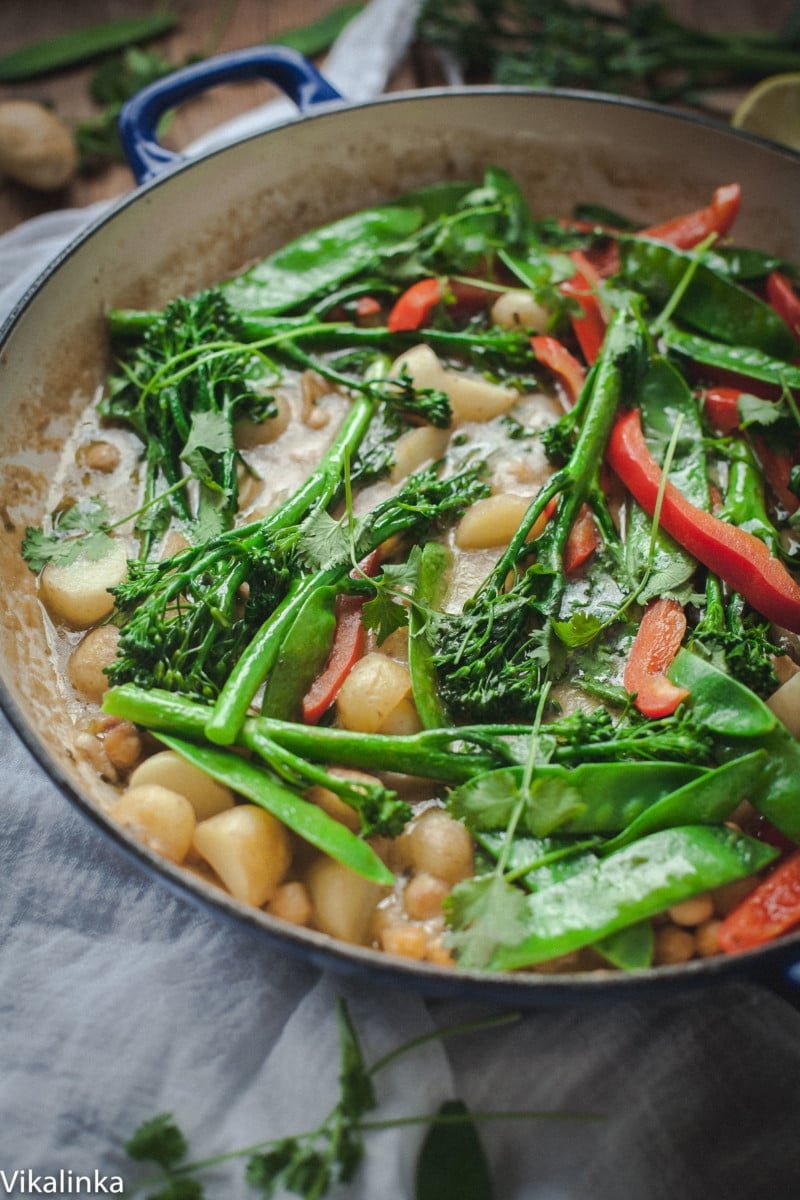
(179,1188)
(209,432)
(158,1140)
(553,803)
(580,629)
(80,531)
(484,913)
(384,614)
(755,411)
(324,542)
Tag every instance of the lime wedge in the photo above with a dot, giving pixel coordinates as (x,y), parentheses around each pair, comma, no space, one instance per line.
(772,110)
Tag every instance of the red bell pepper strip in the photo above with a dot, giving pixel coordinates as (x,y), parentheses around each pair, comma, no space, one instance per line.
(413,308)
(772,909)
(584,539)
(738,557)
(416,305)
(347,648)
(691,228)
(590,327)
(785,300)
(722,408)
(657,642)
(552,354)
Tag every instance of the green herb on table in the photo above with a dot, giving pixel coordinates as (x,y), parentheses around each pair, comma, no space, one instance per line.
(82,45)
(643,50)
(309,1164)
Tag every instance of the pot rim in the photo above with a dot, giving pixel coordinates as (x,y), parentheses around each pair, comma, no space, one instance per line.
(767,964)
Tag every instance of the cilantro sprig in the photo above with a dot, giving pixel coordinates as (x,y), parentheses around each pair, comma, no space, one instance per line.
(309,1164)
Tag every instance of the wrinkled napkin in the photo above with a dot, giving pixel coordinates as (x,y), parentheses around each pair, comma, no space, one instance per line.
(120,1000)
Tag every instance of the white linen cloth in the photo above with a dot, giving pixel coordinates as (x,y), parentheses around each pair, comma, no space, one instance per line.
(120,1000)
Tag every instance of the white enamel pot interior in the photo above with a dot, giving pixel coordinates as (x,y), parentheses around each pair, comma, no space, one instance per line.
(202,221)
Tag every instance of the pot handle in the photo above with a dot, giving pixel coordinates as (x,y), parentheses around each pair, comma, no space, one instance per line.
(139,118)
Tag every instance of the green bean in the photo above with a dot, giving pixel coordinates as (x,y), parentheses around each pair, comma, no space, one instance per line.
(430,587)
(81,45)
(607,796)
(301,657)
(303,818)
(712,303)
(628,887)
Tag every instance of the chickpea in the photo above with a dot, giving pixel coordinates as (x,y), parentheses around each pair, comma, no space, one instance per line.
(693,911)
(99,456)
(672,945)
(89,659)
(424,896)
(291,903)
(706,938)
(123,745)
(439,953)
(406,941)
(438,845)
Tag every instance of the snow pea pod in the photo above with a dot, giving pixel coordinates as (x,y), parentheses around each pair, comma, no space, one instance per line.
(302,656)
(592,798)
(320,260)
(430,586)
(743,723)
(712,302)
(628,887)
(723,705)
(664,396)
(629,949)
(82,45)
(739,360)
(301,816)
(706,800)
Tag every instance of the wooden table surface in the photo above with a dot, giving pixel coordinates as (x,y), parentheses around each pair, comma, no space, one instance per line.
(208,26)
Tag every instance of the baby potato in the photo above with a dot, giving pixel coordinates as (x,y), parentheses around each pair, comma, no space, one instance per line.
(249,434)
(94,652)
(343,902)
(785,703)
(402,720)
(471,399)
(371,692)
(79,593)
(168,769)
(248,848)
(36,147)
(416,447)
(438,845)
(161,819)
(517,309)
(493,521)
